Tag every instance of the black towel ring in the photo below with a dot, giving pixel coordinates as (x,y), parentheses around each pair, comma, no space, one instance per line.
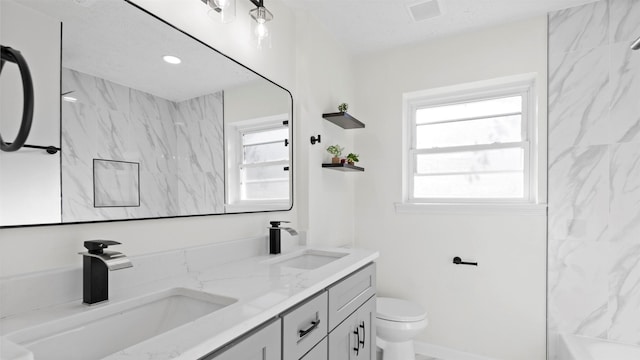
(14,56)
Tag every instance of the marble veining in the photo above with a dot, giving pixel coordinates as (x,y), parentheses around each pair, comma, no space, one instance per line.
(594,173)
(579,197)
(179,146)
(624,20)
(625,81)
(579,28)
(579,93)
(238,269)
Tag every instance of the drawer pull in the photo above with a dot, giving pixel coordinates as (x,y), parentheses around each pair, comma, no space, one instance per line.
(364,334)
(313,326)
(356,332)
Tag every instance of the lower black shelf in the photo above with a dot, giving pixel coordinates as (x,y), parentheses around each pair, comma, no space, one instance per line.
(343,167)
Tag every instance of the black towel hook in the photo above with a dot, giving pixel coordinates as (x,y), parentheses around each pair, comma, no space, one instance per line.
(14,56)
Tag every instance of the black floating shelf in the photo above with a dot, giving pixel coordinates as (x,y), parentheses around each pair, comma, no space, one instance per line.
(343,120)
(343,167)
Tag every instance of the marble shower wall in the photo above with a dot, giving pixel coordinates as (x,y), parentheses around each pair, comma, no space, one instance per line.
(594,172)
(177,144)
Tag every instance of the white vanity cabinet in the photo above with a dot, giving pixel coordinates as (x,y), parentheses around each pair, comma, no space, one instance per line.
(261,344)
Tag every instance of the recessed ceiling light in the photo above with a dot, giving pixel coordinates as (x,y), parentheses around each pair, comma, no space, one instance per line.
(171,59)
(70,99)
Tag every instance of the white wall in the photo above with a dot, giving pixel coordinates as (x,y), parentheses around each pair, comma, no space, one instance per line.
(324,80)
(41,49)
(498,308)
(321,86)
(255,100)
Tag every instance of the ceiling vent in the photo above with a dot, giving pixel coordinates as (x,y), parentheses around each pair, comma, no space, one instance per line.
(424,10)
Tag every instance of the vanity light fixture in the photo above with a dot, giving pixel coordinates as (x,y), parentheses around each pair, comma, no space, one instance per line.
(261,16)
(226,9)
(173,60)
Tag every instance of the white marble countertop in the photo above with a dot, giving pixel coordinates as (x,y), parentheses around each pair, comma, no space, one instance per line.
(263,290)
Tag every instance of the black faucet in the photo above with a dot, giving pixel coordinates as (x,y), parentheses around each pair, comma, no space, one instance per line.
(96,266)
(274,235)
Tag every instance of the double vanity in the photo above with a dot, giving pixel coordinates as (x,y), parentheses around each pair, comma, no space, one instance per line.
(222,301)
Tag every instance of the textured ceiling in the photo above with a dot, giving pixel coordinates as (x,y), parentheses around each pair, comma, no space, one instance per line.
(372,25)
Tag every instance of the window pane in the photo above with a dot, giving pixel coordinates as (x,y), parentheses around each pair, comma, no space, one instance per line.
(265,152)
(474,186)
(470,132)
(251,138)
(510,159)
(276,190)
(490,107)
(264,173)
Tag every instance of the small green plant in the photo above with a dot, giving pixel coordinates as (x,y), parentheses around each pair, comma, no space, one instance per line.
(352,158)
(343,107)
(335,150)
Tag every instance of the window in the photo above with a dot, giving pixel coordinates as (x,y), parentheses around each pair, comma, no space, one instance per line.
(259,162)
(471,145)
(264,158)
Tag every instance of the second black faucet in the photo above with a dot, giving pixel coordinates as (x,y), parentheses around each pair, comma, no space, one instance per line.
(274,236)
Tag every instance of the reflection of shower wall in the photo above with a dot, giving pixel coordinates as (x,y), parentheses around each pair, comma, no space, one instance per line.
(200,160)
(594,172)
(112,122)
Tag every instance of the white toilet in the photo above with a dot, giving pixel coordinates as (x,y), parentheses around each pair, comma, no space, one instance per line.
(397,323)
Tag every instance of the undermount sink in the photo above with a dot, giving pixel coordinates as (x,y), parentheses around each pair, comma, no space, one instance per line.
(308,259)
(109,328)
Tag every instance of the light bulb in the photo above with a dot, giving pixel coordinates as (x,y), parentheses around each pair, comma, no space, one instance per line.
(262,33)
(260,30)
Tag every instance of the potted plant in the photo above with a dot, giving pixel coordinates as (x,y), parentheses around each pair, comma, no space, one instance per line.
(343,107)
(336,151)
(352,158)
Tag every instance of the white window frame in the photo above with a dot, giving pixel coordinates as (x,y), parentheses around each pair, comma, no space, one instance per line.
(524,86)
(234,133)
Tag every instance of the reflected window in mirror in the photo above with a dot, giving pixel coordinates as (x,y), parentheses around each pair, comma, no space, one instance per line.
(259,163)
(170,119)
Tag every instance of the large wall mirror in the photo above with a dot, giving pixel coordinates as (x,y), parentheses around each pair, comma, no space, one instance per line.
(138,135)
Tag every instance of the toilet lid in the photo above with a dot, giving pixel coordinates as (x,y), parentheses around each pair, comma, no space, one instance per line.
(399,310)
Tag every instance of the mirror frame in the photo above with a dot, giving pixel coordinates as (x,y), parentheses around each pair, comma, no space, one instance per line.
(291,142)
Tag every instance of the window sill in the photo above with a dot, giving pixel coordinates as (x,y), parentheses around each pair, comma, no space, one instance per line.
(473,209)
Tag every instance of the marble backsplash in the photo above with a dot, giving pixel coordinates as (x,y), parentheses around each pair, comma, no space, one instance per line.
(65,285)
(177,144)
(594,172)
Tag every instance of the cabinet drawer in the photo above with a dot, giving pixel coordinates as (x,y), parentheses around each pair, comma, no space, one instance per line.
(319,352)
(304,327)
(351,292)
(260,344)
